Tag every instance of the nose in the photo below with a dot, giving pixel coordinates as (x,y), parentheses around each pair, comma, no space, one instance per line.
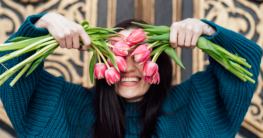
(130,63)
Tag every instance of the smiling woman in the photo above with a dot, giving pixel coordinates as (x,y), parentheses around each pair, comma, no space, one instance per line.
(131,89)
(211,103)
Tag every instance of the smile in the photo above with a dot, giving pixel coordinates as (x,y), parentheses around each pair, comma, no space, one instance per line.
(129,81)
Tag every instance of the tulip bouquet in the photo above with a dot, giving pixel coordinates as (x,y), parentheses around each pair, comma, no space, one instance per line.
(45,45)
(143,40)
(111,48)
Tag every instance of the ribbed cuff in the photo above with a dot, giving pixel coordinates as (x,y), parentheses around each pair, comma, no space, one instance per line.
(28,29)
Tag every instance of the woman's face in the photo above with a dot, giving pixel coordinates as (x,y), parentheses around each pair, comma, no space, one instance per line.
(131,86)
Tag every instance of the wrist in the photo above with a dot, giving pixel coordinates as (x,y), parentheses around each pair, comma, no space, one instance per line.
(41,23)
(208,30)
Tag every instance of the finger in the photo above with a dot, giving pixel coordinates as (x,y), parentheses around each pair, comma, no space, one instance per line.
(85,39)
(173,35)
(68,40)
(76,41)
(196,35)
(61,40)
(181,35)
(189,36)
(83,48)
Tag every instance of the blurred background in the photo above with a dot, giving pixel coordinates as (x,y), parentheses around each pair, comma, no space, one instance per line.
(242,16)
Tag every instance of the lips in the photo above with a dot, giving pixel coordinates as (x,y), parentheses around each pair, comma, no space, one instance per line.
(131,83)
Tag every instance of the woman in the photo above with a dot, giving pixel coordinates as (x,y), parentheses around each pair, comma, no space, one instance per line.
(211,103)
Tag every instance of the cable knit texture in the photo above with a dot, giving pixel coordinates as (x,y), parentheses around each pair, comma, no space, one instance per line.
(211,103)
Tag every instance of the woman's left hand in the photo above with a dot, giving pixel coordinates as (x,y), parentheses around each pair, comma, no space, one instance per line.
(186,32)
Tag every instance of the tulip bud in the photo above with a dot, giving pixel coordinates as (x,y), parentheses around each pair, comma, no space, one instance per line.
(112,75)
(150,69)
(135,37)
(121,48)
(121,63)
(99,70)
(141,53)
(115,39)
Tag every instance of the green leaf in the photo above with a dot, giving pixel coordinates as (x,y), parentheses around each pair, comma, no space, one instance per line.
(91,66)
(159,49)
(40,60)
(85,24)
(20,38)
(100,29)
(100,46)
(165,36)
(172,53)
(100,36)
(110,55)
(146,26)
(205,44)
(157,30)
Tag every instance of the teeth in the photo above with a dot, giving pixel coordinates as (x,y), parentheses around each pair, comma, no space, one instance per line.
(129,80)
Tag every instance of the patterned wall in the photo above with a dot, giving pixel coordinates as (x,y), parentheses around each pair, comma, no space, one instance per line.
(241,16)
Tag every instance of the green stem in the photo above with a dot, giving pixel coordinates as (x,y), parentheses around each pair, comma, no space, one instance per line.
(20,44)
(28,60)
(106,55)
(133,47)
(22,51)
(152,45)
(47,43)
(224,64)
(241,68)
(232,56)
(249,79)
(109,45)
(155,57)
(20,74)
(103,58)
(98,57)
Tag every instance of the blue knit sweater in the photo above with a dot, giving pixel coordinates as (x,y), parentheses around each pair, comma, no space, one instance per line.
(211,103)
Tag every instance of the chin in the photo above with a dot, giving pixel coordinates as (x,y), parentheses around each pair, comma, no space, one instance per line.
(132,94)
(128,93)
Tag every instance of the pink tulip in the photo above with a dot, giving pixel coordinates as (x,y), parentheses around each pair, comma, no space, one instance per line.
(121,48)
(149,79)
(152,79)
(121,63)
(156,78)
(150,69)
(112,75)
(115,39)
(99,70)
(109,62)
(141,53)
(135,37)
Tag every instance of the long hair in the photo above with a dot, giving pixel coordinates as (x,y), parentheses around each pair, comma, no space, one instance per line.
(109,108)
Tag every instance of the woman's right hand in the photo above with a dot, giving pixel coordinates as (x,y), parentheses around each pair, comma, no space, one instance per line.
(66,32)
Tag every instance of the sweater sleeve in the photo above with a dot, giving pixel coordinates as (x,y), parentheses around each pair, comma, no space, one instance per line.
(15,99)
(225,97)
